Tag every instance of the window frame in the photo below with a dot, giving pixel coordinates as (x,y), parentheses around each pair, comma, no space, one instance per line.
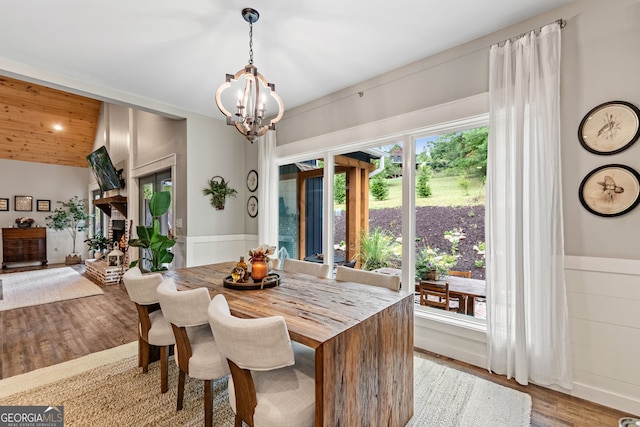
(465,114)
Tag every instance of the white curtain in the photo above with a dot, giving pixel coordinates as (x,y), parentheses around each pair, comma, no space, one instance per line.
(527,320)
(267,190)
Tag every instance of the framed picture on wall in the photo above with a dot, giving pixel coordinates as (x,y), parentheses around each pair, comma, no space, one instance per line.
(610,128)
(43,205)
(252,180)
(610,190)
(23,203)
(252,206)
(4,204)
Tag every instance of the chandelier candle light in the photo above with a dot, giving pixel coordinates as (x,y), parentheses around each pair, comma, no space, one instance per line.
(255,99)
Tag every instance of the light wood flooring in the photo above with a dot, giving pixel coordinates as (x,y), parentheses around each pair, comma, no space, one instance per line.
(44,335)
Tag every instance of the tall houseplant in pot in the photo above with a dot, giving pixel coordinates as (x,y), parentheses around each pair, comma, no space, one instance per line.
(71,216)
(158,245)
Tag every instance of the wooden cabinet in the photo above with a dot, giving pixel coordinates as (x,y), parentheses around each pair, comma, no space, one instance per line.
(24,245)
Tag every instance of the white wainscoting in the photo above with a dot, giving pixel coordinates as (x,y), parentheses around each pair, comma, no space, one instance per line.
(604,315)
(202,250)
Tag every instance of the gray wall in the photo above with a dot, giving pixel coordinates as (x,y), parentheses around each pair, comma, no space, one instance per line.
(199,147)
(600,63)
(47,182)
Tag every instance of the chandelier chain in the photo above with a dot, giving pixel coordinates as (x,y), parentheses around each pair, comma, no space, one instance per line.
(250,43)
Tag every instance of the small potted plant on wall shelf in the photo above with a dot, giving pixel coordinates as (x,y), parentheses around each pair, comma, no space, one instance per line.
(219,190)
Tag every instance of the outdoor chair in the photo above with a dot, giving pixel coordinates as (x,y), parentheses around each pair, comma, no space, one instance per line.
(346,274)
(272,380)
(197,351)
(439,294)
(153,330)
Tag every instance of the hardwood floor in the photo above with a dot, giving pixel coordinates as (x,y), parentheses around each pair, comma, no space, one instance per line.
(549,408)
(47,334)
(44,335)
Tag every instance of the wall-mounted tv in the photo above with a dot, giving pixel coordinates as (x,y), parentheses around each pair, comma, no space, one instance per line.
(107,176)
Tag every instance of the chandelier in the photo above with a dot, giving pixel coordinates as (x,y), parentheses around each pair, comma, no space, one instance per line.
(256,105)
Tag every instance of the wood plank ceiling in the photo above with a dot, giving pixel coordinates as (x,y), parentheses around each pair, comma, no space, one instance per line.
(28,115)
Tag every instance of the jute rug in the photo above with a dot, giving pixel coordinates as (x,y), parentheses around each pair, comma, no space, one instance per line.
(117,393)
(44,286)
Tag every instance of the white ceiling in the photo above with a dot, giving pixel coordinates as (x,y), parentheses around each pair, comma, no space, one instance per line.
(177,52)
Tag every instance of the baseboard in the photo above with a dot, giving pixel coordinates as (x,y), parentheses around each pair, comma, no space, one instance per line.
(606,398)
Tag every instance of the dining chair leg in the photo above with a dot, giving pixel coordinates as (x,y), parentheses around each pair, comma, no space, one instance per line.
(181,376)
(145,350)
(238,421)
(164,369)
(208,404)
(140,344)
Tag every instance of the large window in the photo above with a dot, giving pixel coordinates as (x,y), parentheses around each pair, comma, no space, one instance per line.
(300,210)
(449,217)
(431,184)
(97,219)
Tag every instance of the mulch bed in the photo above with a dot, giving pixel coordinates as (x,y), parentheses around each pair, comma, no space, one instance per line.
(431,223)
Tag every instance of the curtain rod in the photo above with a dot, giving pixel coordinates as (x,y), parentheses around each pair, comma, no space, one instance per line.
(560,21)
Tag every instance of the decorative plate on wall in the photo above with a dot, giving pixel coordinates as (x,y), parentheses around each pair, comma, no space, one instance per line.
(610,127)
(252,206)
(252,180)
(610,190)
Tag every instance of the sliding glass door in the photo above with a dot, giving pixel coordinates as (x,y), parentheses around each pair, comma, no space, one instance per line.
(148,185)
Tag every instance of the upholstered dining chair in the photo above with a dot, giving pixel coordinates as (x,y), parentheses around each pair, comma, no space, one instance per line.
(299,266)
(197,353)
(439,294)
(272,380)
(153,330)
(346,274)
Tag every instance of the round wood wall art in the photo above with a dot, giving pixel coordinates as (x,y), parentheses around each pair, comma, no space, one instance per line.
(610,128)
(610,190)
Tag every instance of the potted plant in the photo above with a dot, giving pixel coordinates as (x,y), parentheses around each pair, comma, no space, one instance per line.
(150,237)
(98,244)
(432,263)
(219,190)
(70,216)
(24,222)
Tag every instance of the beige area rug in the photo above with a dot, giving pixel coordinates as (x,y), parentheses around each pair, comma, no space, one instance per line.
(448,397)
(107,389)
(44,286)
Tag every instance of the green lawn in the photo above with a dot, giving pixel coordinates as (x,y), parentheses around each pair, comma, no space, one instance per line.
(445,191)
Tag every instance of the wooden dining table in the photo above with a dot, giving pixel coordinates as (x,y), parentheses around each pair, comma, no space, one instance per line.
(362,336)
(466,290)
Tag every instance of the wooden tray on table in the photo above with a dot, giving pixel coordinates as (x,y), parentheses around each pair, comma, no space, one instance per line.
(270,281)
